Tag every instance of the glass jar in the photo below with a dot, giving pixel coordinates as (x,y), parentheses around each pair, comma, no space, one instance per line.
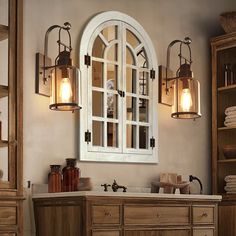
(71,175)
(55,179)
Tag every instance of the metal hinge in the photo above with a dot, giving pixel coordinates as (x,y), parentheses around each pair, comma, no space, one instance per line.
(152,74)
(152,142)
(87,136)
(121,93)
(87,60)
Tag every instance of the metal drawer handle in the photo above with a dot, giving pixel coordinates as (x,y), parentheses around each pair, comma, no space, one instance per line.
(204,214)
(158,216)
(107,213)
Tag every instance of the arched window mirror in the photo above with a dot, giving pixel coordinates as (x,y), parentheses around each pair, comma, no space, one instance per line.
(118,120)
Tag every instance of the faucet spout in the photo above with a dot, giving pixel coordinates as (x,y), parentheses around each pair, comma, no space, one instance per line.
(115,187)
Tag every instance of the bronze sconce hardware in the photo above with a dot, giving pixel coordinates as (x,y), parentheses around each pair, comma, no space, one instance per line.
(60,81)
(183,91)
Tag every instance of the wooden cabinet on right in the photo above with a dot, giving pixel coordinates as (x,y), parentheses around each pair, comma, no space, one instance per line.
(224,129)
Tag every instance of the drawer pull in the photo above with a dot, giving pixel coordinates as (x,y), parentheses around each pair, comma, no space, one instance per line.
(107,213)
(204,215)
(158,216)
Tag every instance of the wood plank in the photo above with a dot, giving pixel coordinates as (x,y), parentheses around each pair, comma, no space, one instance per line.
(4,30)
(227,128)
(3,91)
(227,88)
(227,160)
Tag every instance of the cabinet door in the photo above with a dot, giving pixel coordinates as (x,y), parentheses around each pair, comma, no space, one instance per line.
(166,232)
(58,221)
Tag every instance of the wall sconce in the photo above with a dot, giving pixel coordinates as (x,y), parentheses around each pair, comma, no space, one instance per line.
(183,91)
(61,81)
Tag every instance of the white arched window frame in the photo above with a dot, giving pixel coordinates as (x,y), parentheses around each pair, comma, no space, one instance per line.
(121,151)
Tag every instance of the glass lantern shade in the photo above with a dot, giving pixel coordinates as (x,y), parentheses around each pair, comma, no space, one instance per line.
(65,83)
(186,100)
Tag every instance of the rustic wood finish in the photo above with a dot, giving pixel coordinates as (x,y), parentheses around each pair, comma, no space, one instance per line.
(223,52)
(124,216)
(11,191)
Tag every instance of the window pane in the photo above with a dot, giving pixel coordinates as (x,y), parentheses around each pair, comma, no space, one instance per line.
(142,59)
(98,133)
(143,137)
(112,134)
(112,53)
(97,74)
(143,83)
(129,57)
(132,39)
(98,48)
(97,103)
(131,108)
(131,80)
(112,76)
(143,110)
(131,136)
(110,33)
(112,104)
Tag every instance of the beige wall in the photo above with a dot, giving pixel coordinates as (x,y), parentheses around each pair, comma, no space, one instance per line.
(184,146)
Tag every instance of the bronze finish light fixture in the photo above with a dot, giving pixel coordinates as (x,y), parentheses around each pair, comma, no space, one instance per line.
(60,81)
(183,91)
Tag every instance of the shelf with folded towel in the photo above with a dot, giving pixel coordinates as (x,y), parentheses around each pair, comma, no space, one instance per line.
(227,88)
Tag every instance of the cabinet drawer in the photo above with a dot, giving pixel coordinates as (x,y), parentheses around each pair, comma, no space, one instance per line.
(156,215)
(7,215)
(203,232)
(106,233)
(106,214)
(203,214)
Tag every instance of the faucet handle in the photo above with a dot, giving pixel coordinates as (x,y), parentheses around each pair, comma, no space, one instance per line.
(105,186)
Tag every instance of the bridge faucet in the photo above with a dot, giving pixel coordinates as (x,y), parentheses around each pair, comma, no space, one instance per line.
(115,187)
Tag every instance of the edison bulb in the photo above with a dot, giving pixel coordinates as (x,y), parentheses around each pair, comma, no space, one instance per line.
(65,90)
(186,100)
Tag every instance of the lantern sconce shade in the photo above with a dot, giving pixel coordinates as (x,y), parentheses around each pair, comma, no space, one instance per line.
(182,92)
(61,81)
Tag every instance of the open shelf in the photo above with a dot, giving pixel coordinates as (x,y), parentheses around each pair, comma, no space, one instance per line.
(3,32)
(227,128)
(227,88)
(227,160)
(3,91)
(3,143)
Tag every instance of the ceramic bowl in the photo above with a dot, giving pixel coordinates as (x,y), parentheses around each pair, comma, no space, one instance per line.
(229,151)
(228,21)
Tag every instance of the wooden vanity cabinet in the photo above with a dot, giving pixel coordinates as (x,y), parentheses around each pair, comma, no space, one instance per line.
(124,216)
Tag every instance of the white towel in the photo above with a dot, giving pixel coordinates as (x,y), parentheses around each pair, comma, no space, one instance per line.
(231,184)
(230,189)
(230,178)
(230,109)
(230,124)
(229,117)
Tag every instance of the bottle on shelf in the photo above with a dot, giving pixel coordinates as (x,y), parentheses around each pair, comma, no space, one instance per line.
(71,175)
(228,75)
(55,179)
